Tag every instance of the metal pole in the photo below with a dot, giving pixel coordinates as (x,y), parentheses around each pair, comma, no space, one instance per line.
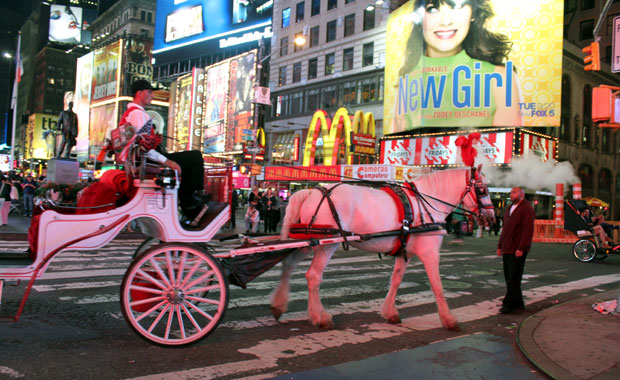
(18,63)
(599,23)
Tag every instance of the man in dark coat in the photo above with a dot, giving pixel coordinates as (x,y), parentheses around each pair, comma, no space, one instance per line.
(514,244)
(68,125)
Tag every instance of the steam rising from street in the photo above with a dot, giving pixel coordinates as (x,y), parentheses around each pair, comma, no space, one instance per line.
(531,173)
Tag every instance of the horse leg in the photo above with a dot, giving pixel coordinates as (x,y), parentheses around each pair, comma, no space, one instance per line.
(317,315)
(389,311)
(428,253)
(280,296)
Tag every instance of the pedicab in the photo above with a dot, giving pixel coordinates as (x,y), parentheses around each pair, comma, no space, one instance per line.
(588,247)
(175,291)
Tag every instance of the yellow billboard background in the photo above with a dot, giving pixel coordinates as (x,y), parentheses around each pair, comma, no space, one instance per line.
(40,141)
(535,29)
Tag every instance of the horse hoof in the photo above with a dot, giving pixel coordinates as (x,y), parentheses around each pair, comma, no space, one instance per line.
(328,325)
(277,313)
(454,328)
(395,320)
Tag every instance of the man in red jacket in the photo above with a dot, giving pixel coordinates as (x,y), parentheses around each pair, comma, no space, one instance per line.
(514,244)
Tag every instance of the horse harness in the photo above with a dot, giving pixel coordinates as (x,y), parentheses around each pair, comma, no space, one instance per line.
(405,215)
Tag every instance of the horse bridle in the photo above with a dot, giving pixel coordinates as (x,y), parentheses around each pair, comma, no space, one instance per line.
(480,191)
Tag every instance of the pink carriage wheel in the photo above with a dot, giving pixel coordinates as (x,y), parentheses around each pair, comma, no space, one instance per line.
(174,294)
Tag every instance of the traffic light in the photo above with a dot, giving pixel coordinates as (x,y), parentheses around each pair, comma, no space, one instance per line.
(593,57)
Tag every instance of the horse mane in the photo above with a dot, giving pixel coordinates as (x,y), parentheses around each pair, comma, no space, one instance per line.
(442,179)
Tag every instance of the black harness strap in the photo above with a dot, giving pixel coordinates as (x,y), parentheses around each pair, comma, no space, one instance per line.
(404,204)
(421,204)
(326,195)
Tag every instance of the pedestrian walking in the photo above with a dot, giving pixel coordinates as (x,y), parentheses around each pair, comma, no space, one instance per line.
(29,187)
(252,218)
(5,200)
(514,244)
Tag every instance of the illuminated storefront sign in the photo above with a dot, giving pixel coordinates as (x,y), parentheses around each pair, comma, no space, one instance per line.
(309,173)
(441,150)
(197,109)
(504,71)
(40,139)
(336,135)
(379,173)
(539,145)
(106,73)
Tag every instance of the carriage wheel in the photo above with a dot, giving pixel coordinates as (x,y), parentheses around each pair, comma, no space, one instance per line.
(174,294)
(148,243)
(584,250)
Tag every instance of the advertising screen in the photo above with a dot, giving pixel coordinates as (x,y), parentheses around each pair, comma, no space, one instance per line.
(215,133)
(137,63)
(102,118)
(183,109)
(40,141)
(442,150)
(83,84)
(69,24)
(241,84)
(105,74)
(542,147)
(214,23)
(498,63)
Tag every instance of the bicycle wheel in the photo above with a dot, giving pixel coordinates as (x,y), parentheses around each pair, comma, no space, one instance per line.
(584,250)
(174,294)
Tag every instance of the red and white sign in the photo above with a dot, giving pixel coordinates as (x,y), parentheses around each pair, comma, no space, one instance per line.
(241,181)
(442,150)
(368,172)
(5,162)
(540,146)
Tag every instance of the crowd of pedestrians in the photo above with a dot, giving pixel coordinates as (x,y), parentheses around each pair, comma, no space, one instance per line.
(17,193)
(262,206)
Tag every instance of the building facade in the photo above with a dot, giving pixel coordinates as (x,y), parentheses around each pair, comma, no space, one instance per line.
(125,18)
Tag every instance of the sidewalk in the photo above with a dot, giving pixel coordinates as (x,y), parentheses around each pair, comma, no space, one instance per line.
(572,341)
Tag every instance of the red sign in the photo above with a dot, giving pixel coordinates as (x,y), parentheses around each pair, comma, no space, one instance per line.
(304,173)
(296,148)
(538,145)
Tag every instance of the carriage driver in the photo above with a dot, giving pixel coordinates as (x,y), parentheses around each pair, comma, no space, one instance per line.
(189,164)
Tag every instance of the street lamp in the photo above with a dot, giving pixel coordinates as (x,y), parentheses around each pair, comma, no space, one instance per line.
(7,55)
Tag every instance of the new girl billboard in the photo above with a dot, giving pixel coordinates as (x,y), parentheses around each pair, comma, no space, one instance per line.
(473,63)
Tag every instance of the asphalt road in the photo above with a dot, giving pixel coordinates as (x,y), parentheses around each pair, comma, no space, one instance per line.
(72,327)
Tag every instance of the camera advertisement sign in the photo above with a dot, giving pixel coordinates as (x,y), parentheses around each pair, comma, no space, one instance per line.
(479,64)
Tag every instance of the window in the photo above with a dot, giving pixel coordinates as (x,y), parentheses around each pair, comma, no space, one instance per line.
(331,31)
(297,72)
(349,25)
(283,46)
(328,97)
(313,65)
(604,180)
(610,23)
(369,19)
(367,54)
(606,144)
(297,99)
(282,76)
(347,59)
(587,116)
(566,109)
(586,30)
(149,17)
(330,60)
(143,15)
(608,54)
(348,93)
(331,4)
(312,100)
(349,1)
(585,174)
(316,7)
(286,18)
(314,36)
(587,4)
(618,185)
(369,90)
(299,11)
(297,48)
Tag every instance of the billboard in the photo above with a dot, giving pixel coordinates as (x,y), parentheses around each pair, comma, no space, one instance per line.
(543,147)
(499,63)
(183,108)
(212,24)
(101,119)
(40,140)
(107,61)
(69,24)
(196,109)
(137,63)
(441,149)
(240,107)
(215,133)
(83,86)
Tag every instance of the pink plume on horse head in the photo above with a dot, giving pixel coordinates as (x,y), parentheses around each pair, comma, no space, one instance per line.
(468,152)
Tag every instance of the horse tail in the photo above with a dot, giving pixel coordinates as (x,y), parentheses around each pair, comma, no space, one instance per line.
(291,215)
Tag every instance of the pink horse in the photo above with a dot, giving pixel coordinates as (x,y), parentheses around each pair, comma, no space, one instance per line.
(365,210)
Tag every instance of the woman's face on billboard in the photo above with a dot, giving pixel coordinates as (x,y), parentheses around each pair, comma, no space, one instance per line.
(445,27)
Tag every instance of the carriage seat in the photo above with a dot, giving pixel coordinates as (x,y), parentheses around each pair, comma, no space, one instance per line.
(584,233)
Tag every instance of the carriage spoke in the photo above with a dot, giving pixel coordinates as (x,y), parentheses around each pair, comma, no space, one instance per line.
(191,318)
(203,289)
(205,300)
(170,266)
(169,323)
(151,310)
(199,311)
(159,271)
(181,268)
(151,279)
(145,289)
(199,279)
(156,321)
(146,301)
(180,318)
(190,274)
